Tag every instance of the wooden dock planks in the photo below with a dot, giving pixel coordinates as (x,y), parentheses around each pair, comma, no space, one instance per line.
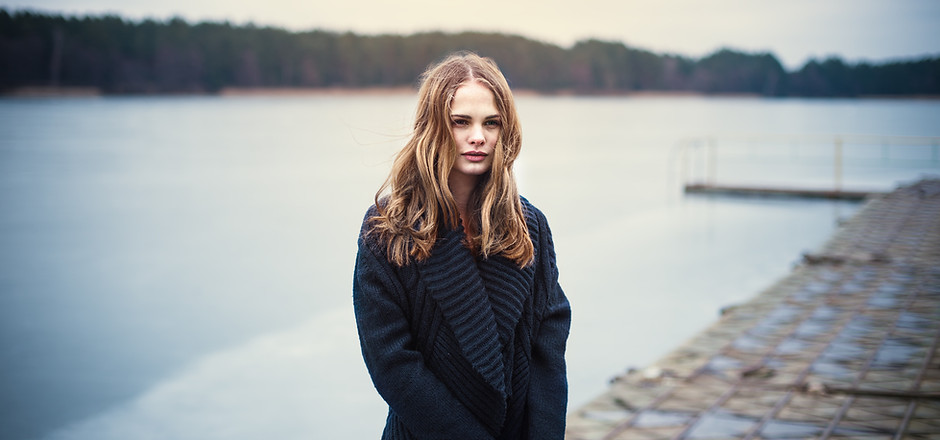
(846,346)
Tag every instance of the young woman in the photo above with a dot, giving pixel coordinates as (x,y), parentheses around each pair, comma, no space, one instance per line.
(461,319)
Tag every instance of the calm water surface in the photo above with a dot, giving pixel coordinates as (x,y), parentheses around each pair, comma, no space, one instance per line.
(181,267)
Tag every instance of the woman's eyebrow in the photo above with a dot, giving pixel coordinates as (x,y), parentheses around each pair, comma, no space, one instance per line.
(455,115)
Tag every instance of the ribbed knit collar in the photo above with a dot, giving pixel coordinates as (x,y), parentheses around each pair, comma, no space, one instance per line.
(482,301)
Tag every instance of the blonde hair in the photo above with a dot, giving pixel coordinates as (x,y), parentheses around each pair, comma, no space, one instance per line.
(415,201)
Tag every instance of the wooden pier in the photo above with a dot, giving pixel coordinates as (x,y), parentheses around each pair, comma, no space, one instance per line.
(845,347)
(766,191)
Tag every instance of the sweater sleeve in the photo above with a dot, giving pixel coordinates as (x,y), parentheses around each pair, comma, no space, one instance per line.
(414,394)
(548,387)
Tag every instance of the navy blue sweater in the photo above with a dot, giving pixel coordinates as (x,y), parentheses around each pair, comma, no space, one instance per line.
(462,348)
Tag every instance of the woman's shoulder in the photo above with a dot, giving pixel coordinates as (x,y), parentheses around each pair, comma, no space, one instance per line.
(371,212)
(533,216)
(539,231)
(367,235)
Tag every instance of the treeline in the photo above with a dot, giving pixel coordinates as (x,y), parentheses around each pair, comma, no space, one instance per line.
(115,55)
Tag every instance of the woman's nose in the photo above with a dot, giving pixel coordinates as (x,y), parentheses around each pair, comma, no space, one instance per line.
(476,137)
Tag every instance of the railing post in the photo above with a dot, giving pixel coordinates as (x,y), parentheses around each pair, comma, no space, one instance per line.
(838,164)
(712,161)
(684,163)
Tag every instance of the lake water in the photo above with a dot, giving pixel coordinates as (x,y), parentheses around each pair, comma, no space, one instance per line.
(180,267)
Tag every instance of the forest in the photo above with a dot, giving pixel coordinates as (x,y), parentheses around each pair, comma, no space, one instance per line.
(117,56)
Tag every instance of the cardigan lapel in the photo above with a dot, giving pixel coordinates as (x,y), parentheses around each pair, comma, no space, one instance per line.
(507,287)
(454,281)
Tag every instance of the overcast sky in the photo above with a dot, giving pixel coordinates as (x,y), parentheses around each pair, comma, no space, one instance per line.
(794,30)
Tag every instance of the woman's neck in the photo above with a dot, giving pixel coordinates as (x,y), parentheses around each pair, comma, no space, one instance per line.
(462,186)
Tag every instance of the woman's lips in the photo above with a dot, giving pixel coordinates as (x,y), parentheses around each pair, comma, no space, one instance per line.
(475,156)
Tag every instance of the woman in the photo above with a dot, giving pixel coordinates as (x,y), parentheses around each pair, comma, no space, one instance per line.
(461,319)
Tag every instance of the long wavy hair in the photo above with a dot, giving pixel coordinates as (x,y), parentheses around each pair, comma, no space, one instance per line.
(415,202)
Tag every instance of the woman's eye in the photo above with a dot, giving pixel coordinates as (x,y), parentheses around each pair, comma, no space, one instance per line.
(492,123)
(460,122)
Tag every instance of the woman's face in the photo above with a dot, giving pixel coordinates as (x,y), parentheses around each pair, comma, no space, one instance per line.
(475,124)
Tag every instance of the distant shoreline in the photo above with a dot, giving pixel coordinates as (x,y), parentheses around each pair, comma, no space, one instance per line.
(316,91)
(66,92)
(52,92)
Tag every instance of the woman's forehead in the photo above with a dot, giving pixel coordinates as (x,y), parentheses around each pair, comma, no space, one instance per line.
(473,94)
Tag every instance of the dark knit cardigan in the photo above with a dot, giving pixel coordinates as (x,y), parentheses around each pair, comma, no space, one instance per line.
(462,348)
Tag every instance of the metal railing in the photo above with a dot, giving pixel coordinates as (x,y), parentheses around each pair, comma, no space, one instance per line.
(698,157)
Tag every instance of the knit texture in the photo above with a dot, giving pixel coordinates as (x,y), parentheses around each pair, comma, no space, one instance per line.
(462,348)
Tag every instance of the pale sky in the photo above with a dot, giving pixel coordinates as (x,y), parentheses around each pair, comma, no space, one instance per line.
(794,30)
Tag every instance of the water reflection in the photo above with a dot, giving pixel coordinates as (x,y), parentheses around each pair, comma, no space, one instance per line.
(721,424)
(661,419)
